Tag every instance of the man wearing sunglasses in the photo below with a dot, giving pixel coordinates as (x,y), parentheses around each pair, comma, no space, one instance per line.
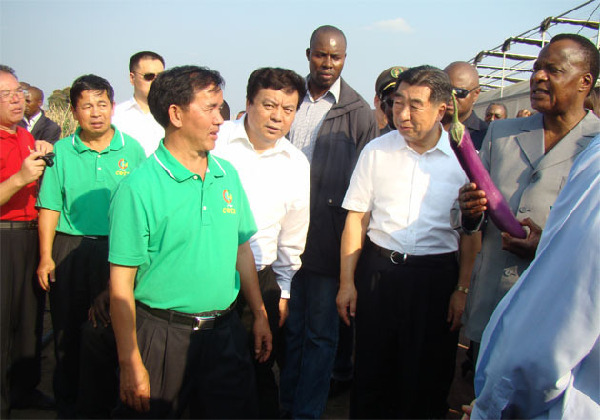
(385,86)
(465,80)
(133,116)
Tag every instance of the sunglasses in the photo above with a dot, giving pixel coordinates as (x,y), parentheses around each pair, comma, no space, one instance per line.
(462,93)
(148,77)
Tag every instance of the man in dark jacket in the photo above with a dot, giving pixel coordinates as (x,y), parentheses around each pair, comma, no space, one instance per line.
(331,127)
(35,121)
(465,80)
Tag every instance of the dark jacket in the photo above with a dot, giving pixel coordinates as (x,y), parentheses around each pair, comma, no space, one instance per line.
(477,129)
(347,127)
(44,129)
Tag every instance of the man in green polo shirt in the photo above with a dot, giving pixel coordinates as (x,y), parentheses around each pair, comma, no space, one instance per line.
(73,223)
(179,254)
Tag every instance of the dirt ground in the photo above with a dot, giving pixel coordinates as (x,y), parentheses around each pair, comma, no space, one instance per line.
(337,408)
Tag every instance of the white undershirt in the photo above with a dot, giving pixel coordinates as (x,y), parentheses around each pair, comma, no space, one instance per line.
(130,119)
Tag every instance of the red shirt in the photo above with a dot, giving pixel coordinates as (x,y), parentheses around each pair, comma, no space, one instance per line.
(14,148)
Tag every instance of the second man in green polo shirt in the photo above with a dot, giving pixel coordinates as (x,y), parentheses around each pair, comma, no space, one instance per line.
(73,223)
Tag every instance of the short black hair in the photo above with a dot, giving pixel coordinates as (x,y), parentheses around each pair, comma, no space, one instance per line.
(326,29)
(592,56)
(178,86)
(501,105)
(6,69)
(435,79)
(225,111)
(137,57)
(277,79)
(90,82)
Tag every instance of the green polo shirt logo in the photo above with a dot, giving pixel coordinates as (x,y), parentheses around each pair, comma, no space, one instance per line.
(123,165)
(228,199)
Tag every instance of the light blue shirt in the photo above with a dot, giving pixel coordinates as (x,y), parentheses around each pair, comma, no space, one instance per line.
(540,353)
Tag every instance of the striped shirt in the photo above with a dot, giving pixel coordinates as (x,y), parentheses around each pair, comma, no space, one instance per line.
(310,117)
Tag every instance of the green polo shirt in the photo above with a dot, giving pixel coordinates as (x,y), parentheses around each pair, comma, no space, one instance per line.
(181,232)
(80,183)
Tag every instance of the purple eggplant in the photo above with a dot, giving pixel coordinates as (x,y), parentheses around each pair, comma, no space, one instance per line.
(497,207)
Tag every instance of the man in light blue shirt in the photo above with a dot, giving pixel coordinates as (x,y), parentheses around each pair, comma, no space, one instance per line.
(540,353)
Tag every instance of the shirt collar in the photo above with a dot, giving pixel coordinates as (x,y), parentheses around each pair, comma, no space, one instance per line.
(31,122)
(443,144)
(117,142)
(6,135)
(179,172)
(132,104)
(239,134)
(334,89)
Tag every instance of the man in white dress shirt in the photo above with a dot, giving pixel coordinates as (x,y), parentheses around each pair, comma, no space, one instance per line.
(410,293)
(133,116)
(276,178)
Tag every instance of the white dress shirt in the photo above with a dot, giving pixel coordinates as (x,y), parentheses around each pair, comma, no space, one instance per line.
(30,123)
(277,183)
(540,352)
(310,117)
(410,195)
(130,119)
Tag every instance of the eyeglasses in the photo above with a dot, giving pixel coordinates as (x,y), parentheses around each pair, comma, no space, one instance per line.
(6,95)
(148,77)
(462,93)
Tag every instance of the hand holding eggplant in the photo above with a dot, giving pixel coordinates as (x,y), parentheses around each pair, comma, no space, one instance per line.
(495,204)
(472,201)
(524,248)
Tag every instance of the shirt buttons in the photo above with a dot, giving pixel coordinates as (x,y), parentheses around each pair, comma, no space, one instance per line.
(523,209)
(204,208)
(195,177)
(99,169)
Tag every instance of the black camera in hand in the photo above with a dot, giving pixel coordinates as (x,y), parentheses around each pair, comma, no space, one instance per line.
(48,158)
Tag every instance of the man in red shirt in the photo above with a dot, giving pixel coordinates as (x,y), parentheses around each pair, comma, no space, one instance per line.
(21,299)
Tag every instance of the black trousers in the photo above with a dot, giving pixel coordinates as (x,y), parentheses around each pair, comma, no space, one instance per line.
(98,372)
(22,305)
(405,353)
(82,272)
(268,391)
(206,373)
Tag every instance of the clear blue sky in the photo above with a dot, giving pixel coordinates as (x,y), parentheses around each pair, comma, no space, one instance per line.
(50,43)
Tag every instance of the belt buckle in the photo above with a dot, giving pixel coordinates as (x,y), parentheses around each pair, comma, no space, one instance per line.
(394,254)
(201,322)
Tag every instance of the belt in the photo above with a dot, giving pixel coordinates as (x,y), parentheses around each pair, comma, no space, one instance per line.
(93,237)
(8,224)
(96,238)
(401,258)
(199,321)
